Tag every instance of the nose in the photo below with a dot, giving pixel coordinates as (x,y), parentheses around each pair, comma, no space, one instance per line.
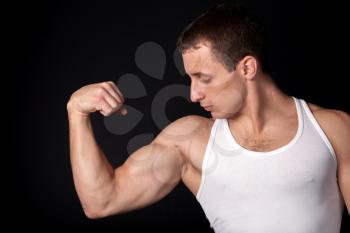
(196,94)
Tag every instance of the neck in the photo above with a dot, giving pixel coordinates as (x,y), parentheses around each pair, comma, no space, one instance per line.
(262,102)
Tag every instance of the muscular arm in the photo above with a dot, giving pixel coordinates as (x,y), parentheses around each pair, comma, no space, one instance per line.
(336,125)
(148,174)
(340,138)
(93,175)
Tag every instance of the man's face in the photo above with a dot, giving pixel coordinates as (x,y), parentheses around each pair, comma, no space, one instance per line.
(212,85)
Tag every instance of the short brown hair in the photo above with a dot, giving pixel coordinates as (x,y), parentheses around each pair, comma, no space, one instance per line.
(231,32)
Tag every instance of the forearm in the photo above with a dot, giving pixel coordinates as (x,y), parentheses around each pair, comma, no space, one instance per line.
(93,175)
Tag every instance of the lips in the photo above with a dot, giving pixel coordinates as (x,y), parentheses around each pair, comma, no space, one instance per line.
(208,108)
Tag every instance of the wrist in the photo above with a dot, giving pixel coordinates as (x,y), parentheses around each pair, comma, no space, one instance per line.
(73,112)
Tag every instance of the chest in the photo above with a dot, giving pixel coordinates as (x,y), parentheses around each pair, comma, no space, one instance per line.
(264,143)
(275,136)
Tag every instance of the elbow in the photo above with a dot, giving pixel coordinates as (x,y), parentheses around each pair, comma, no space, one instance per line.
(98,206)
(93,213)
(97,212)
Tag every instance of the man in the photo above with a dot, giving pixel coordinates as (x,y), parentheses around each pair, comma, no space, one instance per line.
(265,162)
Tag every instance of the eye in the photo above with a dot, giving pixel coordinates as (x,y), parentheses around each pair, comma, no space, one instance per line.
(205,80)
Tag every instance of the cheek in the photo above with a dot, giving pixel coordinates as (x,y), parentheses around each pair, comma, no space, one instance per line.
(227,102)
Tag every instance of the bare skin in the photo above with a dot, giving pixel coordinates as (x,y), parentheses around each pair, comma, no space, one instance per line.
(254,106)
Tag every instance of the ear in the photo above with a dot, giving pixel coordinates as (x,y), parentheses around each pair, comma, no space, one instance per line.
(248,67)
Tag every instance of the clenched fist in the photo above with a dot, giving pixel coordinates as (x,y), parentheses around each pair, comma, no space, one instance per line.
(104,97)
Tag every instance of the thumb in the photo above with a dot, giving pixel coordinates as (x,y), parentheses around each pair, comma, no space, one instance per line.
(123,111)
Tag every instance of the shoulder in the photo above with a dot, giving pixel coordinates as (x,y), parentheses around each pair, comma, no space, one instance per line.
(184,129)
(331,118)
(336,125)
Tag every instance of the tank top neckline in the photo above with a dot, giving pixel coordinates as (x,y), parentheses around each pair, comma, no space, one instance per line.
(274,151)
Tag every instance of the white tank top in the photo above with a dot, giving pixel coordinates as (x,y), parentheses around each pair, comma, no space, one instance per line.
(292,189)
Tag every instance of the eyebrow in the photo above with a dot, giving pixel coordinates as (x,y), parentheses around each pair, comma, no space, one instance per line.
(198,74)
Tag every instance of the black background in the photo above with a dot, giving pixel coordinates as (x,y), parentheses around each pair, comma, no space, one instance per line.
(60,46)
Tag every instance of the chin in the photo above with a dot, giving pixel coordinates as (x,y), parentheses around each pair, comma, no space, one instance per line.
(221,115)
(218,115)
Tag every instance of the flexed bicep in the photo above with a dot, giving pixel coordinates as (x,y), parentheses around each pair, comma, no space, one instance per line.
(148,175)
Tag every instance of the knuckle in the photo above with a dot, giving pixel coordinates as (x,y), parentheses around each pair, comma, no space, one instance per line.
(100,90)
(114,104)
(105,84)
